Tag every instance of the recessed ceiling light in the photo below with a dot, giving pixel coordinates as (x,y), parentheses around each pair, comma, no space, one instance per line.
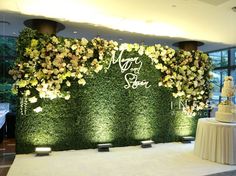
(234,9)
(75,32)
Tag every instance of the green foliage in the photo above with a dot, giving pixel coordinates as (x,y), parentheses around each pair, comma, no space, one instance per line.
(23,41)
(46,63)
(7,47)
(103,111)
(7,58)
(6,94)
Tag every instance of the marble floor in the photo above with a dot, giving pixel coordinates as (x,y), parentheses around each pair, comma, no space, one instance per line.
(7,155)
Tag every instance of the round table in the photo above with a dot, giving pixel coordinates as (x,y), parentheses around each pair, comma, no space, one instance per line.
(216,141)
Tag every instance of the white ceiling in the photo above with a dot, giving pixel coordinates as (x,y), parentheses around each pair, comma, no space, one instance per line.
(149,21)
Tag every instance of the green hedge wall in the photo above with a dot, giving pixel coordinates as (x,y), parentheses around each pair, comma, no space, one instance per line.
(103,111)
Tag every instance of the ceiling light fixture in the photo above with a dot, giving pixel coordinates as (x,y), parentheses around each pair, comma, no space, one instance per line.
(234,8)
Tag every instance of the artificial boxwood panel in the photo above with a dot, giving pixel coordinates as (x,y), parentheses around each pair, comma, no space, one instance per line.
(104,111)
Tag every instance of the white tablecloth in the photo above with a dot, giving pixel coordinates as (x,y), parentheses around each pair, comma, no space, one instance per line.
(4,109)
(2,118)
(216,141)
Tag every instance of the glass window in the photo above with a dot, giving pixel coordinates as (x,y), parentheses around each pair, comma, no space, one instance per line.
(233,73)
(224,58)
(222,68)
(7,57)
(219,58)
(216,58)
(218,80)
(233,56)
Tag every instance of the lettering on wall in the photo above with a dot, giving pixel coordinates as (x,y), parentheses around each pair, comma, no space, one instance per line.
(131,68)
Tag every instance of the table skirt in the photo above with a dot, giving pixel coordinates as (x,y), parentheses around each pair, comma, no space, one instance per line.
(216,141)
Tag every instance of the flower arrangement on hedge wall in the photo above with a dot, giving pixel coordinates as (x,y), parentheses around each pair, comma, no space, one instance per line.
(46,65)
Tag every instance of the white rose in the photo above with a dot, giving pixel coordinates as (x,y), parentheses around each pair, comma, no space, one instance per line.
(68,83)
(38,109)
(33,99)
(67,97)
(73,47)
(160,84)
(158,66)
(82,82)
(84,41)
(27,92)
(193,68)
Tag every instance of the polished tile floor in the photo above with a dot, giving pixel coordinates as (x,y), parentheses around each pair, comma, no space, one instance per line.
(7,155)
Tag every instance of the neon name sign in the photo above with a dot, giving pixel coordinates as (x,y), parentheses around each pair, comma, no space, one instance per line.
(132,67)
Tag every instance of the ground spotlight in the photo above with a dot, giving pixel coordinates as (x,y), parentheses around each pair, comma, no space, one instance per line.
(187,139)
(104,147)
(146,144)
(42,151)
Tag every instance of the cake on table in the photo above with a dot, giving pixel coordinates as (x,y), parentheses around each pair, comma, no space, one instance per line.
(227,109)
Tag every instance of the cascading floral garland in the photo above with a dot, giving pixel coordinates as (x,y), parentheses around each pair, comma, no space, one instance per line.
(46,63)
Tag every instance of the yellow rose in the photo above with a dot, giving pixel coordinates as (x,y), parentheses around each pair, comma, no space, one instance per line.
(84,41)
(34,43)
(33,99)
(82,82)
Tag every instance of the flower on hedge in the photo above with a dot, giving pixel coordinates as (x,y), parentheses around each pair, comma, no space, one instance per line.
(89,53)
(55,40)
(14,89)
(159,66)
(79,75)
(34,43)
(49,61)
(68,83)
(38,109)
(21,83)
(136,46)
(123,46)
(129,47)
(49,47)
(141,50)
(74,47)
(185,68)
(33,99)
(83,69)
(67,96)
(98,68)
(82,82)
(67,43)
(27,93)
(84,41)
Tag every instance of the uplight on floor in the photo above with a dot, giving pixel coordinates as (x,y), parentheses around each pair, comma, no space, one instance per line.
(147,143)
(41,151)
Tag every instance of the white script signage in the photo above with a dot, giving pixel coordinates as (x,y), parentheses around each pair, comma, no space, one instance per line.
(130,66)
